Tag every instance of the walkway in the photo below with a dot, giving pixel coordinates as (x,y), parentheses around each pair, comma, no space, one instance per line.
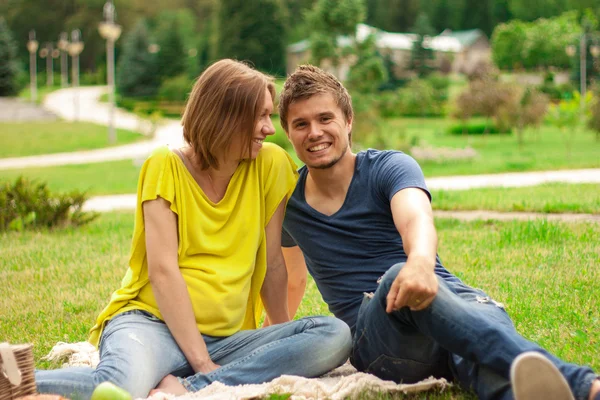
(18,110)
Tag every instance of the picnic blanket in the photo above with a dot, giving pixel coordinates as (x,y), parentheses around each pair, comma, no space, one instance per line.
(341,383)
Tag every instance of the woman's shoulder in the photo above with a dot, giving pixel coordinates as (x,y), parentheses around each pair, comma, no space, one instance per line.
(273,154)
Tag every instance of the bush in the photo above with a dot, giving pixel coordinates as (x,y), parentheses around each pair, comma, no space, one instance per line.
(557,93)
(175,89)
(475,128)
(28,204)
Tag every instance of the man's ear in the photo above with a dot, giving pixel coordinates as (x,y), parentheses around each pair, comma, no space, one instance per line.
(349,123)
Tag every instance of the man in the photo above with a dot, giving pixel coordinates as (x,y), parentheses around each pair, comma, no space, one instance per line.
(365,227)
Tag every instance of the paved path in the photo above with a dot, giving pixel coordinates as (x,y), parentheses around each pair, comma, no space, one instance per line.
(13,109)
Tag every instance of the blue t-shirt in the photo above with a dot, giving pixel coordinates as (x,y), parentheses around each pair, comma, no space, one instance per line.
(347,252)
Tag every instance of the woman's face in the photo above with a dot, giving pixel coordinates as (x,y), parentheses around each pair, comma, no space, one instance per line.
(262,128)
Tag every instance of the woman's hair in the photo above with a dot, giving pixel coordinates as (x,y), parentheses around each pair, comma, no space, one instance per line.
(225,102)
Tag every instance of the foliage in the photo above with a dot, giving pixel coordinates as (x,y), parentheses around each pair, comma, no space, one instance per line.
(26,205)
(568,116)
(175,89)
(252,31)
(9,68)
(393,15)
(419,97)
(172,57)
(328,20)
(368,72)
(594,120)
(557,92)
(421,54)
(137,71)
(525,107)
(526,44)
(474,128)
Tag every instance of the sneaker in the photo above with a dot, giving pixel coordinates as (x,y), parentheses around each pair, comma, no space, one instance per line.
(534,377)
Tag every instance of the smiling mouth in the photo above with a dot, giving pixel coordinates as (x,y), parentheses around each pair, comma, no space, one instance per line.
(258,141)
(319,147)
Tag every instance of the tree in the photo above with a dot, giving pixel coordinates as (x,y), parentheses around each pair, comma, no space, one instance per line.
(422,55)
(525,107)
(329,20)
(445,14)
(136,70)
(368,72)
(172,55)
(477,14)
(252,31)
(9,67)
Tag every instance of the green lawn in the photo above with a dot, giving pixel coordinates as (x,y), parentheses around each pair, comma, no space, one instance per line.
(547,275)
(35,138)
(117,177)
(547,198)
(544,149)
(42,91)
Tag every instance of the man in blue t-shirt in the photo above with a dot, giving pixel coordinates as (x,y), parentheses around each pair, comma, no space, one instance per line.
(363,226)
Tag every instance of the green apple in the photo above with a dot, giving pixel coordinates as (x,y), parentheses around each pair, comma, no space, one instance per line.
(109,391)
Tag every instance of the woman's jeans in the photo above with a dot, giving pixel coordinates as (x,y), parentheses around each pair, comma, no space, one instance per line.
(137,351)
(462,335)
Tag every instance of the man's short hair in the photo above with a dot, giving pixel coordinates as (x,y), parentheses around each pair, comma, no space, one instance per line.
(225,102)
(308,81)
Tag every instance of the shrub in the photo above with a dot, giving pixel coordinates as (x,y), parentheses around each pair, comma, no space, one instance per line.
(28,204)
(475,128)
(175,89)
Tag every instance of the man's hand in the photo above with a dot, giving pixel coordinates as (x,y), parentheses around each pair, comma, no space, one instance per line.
(415,286)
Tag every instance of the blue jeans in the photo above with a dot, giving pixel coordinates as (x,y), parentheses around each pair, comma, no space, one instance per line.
(137,351)
(462,335)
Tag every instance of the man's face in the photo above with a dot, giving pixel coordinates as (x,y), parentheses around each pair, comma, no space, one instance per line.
(263,127)
(318,131)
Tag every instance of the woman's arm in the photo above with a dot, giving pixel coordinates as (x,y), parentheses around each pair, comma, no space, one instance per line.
(168,285)
(274,289)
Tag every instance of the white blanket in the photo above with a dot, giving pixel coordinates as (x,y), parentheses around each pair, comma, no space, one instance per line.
(341,383)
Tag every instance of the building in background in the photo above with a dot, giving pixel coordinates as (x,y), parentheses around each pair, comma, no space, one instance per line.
(454,51)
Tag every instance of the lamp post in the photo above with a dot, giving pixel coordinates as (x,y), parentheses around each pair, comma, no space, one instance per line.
(75,48)
(63,46)
(32,46)
(47,52)
(111,32)
(571,51)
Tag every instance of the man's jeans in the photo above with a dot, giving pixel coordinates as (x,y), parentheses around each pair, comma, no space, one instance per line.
(137,350)
(462,335)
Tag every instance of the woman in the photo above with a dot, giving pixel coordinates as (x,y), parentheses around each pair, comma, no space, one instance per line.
(206,250)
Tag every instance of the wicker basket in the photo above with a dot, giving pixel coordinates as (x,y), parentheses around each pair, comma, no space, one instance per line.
(16,371)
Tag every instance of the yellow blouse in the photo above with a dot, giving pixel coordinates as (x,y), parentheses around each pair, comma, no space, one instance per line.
(222,246)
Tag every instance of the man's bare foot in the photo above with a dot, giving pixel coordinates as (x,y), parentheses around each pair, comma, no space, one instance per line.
(171,385)
(595,390)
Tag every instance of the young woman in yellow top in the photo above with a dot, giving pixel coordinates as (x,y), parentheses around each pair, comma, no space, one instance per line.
(206,255)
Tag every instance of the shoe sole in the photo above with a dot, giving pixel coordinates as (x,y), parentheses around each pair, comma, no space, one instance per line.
(534,377)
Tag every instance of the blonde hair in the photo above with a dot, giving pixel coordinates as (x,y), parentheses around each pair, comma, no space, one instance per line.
(225,102)
(308,81)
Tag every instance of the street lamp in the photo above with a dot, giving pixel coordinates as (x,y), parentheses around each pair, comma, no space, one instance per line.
(32,46)
(63,46)
(47,52)
(111,32)
(75,48)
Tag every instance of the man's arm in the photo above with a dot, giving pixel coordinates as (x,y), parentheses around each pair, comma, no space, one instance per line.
(416,284)
(274,289)
(168,285)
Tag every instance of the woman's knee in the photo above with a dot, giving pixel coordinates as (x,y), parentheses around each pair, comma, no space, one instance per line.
(334,337)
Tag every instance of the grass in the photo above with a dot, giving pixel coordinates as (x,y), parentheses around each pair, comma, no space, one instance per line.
(35,138)
(42,91)
(543,149)
(547,275)
(546,198)
(115,177)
